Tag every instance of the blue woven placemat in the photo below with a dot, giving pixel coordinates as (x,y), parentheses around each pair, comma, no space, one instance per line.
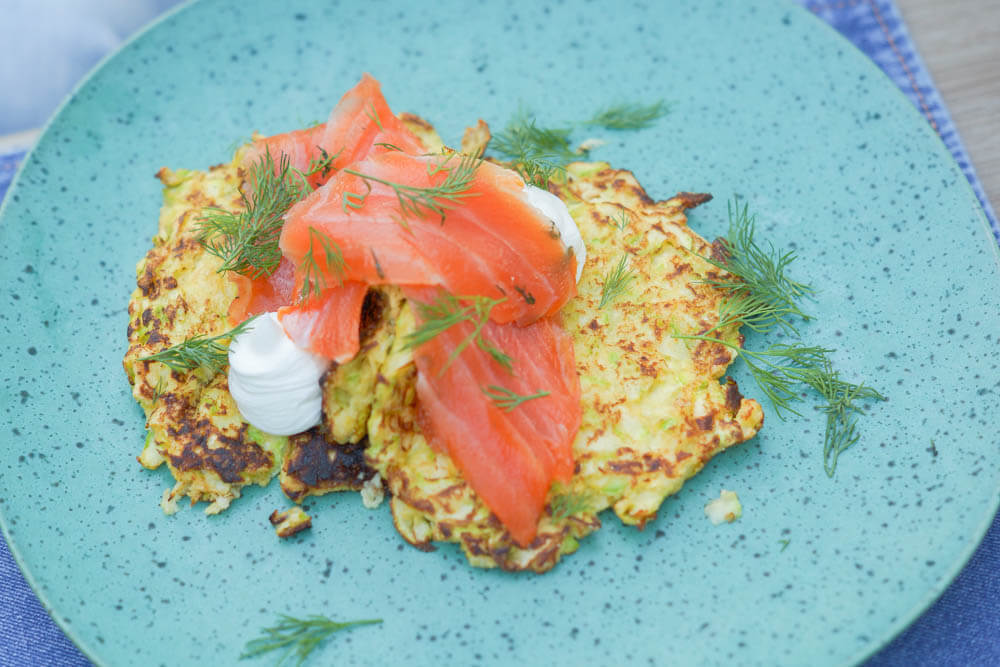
(961,628)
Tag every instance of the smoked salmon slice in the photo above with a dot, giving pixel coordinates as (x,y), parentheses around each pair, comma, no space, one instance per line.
(509,448)
(360,123)
(264,294)
(400,219)
(505,406)
(329,324)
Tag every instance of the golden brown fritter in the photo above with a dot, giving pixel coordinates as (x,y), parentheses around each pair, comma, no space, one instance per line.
(193,423)
(655,407)
(314,466)
(654,411)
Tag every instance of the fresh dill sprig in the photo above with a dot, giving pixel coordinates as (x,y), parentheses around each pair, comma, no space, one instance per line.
(629,116)
(372,113)
(158,390)
(616,282)
(760,294)
(448,310)
(200,351)
(623,221)
(782,369)
(539,153)
(536,153)
(777,370)
(507,400)
(567,504)
(419,201)
(784,543)
(247,242)
(298,637)
(841,409)
(537,171)
(313,279)
(522,137)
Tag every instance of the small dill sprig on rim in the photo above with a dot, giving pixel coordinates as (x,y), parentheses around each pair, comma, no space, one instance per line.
(247,242)
(298,637)
(630,116)
(448,310)
(313,279)
(418,201)
(507,400)
(616,282)
(200,351)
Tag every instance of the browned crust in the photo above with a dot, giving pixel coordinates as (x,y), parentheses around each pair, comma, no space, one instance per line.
(314,466)
(689,200)
(287,523)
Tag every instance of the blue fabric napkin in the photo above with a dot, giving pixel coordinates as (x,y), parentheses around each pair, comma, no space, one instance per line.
(961,628)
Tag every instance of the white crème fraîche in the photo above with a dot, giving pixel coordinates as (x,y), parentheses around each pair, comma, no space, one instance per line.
(275,382)
(555,210)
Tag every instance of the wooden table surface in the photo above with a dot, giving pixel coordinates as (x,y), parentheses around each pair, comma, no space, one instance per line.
(959,41)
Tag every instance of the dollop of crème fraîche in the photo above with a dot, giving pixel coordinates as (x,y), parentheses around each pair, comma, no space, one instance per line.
(276,383)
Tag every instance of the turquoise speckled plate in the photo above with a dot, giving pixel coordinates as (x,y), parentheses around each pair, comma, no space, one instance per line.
(768,104)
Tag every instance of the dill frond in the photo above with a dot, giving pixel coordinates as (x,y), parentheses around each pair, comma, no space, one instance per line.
(298,637)
(630,116)
(417,201)
(564,505)
(760,294)
(313,277)
(200,351)
(507,400)
(841,409)
(536,153)
(448,310)
(247,242)
(323,164)
(623,220)
(616,282)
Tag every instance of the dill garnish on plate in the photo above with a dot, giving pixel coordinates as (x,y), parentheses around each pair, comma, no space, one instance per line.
(298,637)
(761,296)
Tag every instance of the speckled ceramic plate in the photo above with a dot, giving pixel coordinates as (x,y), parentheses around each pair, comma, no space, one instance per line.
(769,105)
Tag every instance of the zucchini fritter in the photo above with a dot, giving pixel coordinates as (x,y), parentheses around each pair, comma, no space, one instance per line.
(654,410)
(194,425)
